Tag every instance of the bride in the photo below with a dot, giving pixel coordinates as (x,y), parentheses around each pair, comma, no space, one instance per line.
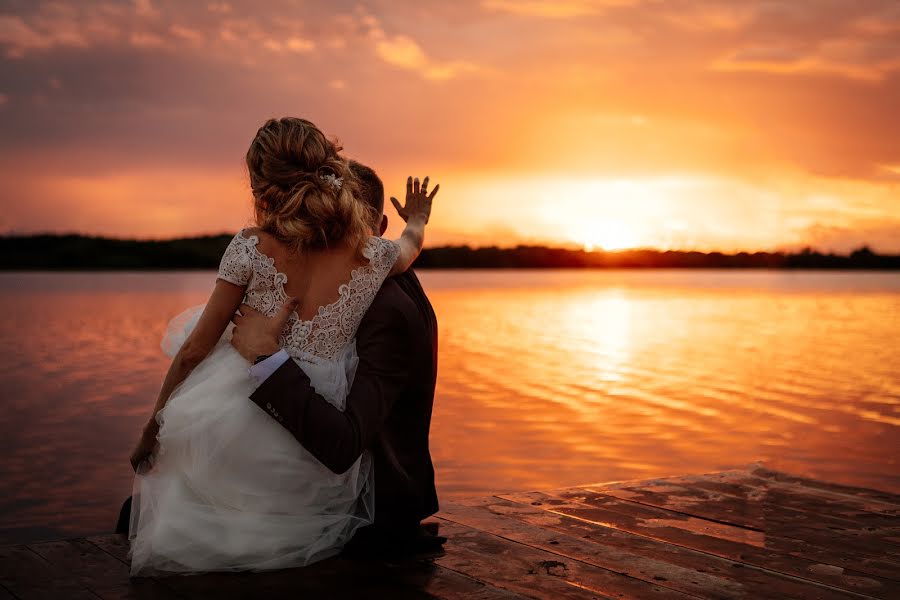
(219,484)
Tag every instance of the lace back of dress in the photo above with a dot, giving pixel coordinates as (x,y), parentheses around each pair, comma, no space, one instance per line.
(327,334)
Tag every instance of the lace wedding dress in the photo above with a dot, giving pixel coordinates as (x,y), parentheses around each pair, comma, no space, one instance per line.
(230,488)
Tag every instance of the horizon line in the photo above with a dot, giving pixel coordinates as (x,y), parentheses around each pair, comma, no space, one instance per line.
(571,247)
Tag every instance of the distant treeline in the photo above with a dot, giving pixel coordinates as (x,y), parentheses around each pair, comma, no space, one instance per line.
(61,252)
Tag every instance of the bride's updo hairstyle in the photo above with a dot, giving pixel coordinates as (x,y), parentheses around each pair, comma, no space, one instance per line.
(303,190)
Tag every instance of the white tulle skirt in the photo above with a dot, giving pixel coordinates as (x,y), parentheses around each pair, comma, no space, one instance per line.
(231,489)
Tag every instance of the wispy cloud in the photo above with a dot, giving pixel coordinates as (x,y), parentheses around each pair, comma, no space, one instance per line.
(403,51)
(20,37)
(554,9)
(145,8)
(188,34)
(852,58)
(145,39)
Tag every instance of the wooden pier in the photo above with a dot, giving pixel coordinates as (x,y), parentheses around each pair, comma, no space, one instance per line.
(754,533)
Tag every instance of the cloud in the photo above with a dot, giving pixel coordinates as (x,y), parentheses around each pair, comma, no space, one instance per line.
(299,44)
(48,26)
(402,51)
(187,34)
(891,171)
(851,58)
(219,7)
(850,40)
(20,37)
(144,8)
(144,39)
(705,18)
(554,9)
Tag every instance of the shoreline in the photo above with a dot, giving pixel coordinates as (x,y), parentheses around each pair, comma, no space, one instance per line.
(485,268)
(85,253)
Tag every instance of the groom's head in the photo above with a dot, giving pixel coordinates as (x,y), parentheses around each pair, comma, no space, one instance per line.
(371,191)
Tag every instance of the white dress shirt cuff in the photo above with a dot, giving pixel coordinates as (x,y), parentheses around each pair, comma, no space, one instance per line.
(264,369)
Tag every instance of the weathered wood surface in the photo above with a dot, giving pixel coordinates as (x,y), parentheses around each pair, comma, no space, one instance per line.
(750,534)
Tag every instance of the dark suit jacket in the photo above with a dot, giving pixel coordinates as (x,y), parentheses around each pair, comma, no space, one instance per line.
(388,407)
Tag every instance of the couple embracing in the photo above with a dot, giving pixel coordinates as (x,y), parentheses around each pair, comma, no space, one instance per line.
(293,422)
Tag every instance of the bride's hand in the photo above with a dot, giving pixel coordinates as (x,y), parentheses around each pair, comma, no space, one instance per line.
(418,200)
(145,445)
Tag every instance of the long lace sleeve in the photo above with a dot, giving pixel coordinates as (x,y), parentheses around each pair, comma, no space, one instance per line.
(235,266)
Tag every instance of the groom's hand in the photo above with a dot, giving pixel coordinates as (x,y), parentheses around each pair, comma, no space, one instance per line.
(255,334)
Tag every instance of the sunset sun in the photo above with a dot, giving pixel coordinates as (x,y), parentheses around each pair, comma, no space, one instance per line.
(609,236)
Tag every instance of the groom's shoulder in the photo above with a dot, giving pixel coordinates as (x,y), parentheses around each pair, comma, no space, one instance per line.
(391,296)
(392,302)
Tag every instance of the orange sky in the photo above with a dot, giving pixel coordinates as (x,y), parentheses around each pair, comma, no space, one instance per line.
(609,123)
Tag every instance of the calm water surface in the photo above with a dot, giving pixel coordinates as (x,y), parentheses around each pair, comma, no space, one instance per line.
(546,379)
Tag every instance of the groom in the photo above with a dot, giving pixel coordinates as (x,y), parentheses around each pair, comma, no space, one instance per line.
(388,408)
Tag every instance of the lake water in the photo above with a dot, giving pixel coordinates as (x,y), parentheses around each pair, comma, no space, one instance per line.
(547,379)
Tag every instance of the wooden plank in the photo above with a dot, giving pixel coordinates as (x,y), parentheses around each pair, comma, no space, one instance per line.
(29,577)
(349,580)
(756,470)
(865,538)
(439,581)
(860,499)
(537,573)
(820,545)
(5,594)
(721,540)
(451,585)
(423,576)
(837,488)
(609,533)
(838,502)
(753,502)
(99,572)
(331,578)
(791,496)
(114,544)
(657,562)
(432,579)
(768,517)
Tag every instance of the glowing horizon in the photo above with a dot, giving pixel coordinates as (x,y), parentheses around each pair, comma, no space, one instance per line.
(601,125)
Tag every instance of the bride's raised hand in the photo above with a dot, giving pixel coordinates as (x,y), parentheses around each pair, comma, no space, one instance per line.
(418,200)
(416,213)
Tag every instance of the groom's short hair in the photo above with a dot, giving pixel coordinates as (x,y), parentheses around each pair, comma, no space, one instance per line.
(371,189)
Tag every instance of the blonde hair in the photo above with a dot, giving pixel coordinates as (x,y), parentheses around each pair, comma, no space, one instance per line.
(290,161)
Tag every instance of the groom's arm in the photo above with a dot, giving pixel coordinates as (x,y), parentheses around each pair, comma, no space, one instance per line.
(338,438)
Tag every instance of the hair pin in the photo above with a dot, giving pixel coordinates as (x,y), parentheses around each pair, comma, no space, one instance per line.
(334,182)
